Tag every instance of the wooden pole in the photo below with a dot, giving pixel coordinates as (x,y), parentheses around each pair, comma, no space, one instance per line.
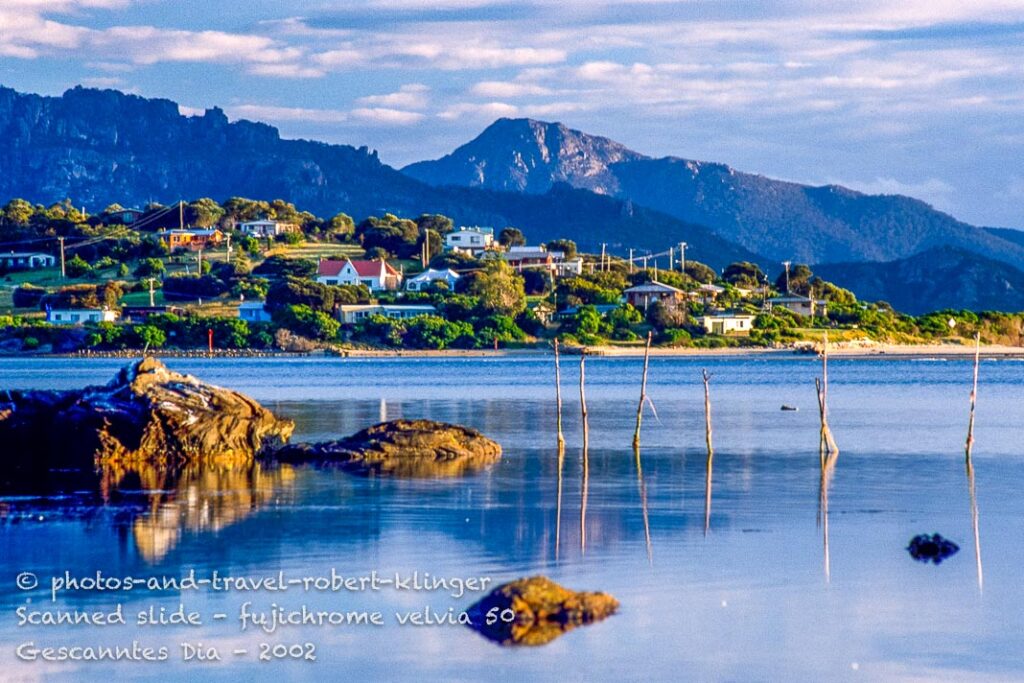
(711,451)
(586,456)
(558,399)
(827,445)
(974,399)
(643,393)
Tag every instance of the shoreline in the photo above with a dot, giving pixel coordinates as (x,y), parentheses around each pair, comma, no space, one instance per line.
(838,350)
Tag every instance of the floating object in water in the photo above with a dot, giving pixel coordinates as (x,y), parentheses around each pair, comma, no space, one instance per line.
(934,548)
(789,407)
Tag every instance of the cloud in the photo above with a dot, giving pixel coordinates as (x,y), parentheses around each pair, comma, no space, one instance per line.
(386,116)
(501,89)
(935,191)
(409,96)
(486,110)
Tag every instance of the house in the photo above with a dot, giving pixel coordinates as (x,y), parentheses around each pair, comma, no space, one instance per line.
(123,217)
(253,312)
(569,267)
(427,278)
(532,257)
(193,239)
(79,316)
(543,310)
(267,228)
(643,295)
(727,323)
(706,293)
(470,240)
(350,314)
(799,304)
(377,275)
(26,260)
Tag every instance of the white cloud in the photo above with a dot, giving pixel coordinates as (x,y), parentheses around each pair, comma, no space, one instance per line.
(409,96)
(386,116)
(486,110)
(500,89)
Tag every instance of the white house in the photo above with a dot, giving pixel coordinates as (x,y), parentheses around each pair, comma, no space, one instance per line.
(354,313)
(470,240)
(377,275)
(80,316)
(427,278)
(728,323)
(266,228)
(27,260)
(253,312)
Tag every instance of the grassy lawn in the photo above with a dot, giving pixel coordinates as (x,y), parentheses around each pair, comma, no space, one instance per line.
(314,250)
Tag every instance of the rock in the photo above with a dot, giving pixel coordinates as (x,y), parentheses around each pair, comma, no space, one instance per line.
(543,611)
(146,416)
(934,548)
(401,448)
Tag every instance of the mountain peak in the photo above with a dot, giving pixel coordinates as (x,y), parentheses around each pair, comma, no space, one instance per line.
(527,155)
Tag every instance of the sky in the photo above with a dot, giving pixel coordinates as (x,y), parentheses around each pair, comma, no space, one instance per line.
(918,97)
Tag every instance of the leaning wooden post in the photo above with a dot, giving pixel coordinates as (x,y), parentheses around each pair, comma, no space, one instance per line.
(827,445)
(643,393)
(974,399)
(558,399)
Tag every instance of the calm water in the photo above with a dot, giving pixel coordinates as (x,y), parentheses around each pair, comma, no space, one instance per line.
(752,597)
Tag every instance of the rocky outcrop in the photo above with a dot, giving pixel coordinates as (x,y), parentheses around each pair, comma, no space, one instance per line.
(934,548)
(147,415)
(536,610)
(401,448)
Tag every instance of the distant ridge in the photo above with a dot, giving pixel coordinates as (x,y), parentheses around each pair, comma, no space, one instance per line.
(782,220)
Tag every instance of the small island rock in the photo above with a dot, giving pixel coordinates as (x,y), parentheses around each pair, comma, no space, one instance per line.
(401,448)
(543,611)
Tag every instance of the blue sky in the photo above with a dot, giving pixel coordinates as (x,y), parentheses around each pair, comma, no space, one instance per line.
(920,97)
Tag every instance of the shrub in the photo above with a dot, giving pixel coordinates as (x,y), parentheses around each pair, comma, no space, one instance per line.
(28,296)
(150,267)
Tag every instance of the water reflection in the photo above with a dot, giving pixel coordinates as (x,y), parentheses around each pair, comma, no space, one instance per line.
(207,500)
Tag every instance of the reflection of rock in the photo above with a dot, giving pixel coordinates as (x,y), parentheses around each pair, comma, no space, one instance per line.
(205,499)
(543,611)
(934,548)
(146,416)
(403,448)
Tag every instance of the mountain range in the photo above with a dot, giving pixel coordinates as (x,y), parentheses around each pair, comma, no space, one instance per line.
(102,146)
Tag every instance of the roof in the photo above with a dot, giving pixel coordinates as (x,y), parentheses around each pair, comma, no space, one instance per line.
(435,274)
(209,232)
(723,314)
(331,268)
(25,254)
(707,287)
(652,286)
(793,298)
(474,228)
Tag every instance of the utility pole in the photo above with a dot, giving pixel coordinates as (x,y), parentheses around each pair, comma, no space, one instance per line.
(787,264)
(62,274)
(645,263)
(603,245)
(630,261)
(671,263)
(181,214)
(682,256)
(152,302)
(200,271)
(229,249)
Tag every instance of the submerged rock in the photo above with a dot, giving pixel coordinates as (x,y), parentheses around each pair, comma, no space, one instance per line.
(147,416)
(934,548)
(401,448)
(541,610)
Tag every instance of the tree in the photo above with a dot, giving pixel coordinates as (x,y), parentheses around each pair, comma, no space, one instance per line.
(204,212)
(442,225)
(701,272)
(663,315)
(433,332)
(18,212)
(500,289)
(342,226)
(303,320)
(511,237)
(799,279)
(150,267)
(567,247)
(743,274)
(398,236)
(77,267)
